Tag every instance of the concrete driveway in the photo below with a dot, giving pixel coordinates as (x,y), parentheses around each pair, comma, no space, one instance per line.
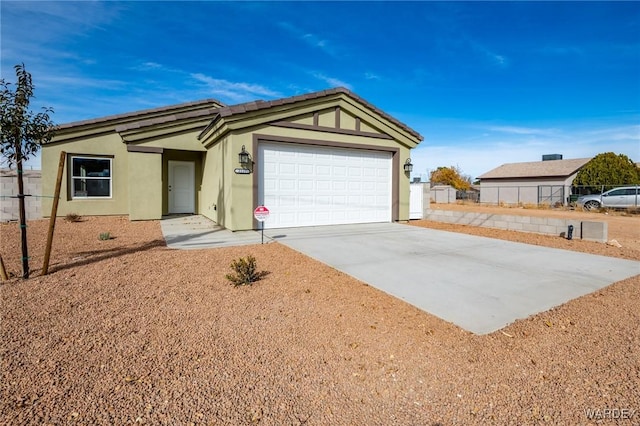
(480,284)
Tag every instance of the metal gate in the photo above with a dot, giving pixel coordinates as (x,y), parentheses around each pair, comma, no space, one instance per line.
(551,194)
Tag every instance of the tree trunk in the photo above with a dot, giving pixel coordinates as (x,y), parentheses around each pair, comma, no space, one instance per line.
(23,218)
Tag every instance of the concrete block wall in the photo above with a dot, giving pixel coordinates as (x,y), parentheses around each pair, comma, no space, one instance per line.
(32,180)
(591,231)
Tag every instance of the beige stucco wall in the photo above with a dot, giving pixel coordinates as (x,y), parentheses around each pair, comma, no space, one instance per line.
(139,179)
(215,199)
(105,145)
(145,191)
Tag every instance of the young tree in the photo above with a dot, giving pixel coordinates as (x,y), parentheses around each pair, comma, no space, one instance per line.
(450,176)
(22,132)
(607,170)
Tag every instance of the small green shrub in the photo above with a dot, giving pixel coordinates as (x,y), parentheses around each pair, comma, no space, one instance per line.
(104,236)
(73,217)
(246,271)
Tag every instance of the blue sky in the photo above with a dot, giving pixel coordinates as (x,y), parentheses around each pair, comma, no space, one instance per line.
(485,83)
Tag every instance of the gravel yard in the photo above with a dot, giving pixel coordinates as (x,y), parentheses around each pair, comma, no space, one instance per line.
(127,331)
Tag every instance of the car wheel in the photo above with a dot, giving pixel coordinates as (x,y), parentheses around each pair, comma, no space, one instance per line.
(591,205)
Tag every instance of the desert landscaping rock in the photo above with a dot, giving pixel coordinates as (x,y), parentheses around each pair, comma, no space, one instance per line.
(127,331)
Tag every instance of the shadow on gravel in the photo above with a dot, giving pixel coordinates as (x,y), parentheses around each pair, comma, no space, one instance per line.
(88,257)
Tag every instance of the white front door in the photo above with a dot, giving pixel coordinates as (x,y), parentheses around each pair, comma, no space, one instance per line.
(181,187)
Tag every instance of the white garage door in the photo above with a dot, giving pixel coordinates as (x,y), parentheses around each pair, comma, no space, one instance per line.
(307,185)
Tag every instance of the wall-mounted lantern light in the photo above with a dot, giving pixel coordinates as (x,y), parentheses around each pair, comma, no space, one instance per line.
(243,157)
(408,167)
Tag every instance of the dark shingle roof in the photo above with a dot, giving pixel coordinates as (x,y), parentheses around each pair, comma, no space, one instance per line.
(130,116)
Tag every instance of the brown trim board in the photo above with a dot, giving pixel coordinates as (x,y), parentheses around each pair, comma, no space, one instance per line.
(145,149)
(395,165)
(301,126)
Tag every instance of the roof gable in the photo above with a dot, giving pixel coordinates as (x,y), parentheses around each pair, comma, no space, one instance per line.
(534,169)
(304,111)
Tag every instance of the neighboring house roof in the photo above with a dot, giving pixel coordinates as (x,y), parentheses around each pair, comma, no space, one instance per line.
(534,169)
(258,105)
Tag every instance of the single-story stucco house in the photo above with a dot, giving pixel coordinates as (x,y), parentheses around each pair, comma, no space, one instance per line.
(328,157)
(537,182)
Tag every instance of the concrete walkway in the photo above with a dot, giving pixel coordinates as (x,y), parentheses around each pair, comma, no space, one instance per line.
(480,284)
(197,232)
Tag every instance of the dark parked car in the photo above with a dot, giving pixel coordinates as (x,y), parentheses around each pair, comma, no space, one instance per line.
(616,198)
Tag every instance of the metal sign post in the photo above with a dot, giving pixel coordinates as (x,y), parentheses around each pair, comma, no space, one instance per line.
(261,213)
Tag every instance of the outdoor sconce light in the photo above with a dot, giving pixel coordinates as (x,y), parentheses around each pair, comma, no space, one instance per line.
(243,157)
(408,167)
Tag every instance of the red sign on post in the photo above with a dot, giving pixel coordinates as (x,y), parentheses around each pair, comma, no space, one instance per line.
(261,213)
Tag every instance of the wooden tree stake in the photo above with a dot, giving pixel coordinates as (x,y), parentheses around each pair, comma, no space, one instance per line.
(3,271)
(54,213)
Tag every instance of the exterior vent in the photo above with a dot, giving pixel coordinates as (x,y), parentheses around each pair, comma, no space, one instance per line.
(548,157)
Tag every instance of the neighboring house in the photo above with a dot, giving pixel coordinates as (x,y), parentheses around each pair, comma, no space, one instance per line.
(9,203)
(327,157)
(537,182)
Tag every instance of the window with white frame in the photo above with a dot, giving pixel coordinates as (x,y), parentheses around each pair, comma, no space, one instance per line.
(90,177)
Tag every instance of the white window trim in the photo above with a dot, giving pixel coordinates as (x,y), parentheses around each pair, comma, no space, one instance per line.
(91,157)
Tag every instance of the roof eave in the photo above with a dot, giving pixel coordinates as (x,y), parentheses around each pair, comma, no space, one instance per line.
(134,120)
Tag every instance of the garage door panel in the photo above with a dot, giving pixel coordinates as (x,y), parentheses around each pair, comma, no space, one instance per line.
(339,171)
(287,169)
(338,216)
(323,200)
(287,201)
(381,173)
(286,217)
(355,200)
(305,169)
(270,184)
(339,200)
(305,185)
(287,184)
(339,185)
(355,171)
(323,170)
(305,217)
(380,186)
(355,186)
